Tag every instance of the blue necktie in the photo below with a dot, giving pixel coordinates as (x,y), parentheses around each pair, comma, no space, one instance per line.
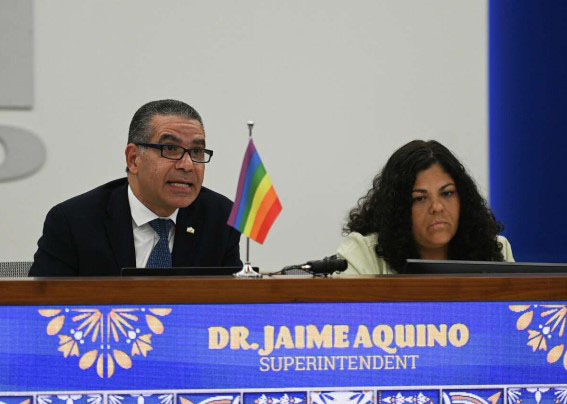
(160,256)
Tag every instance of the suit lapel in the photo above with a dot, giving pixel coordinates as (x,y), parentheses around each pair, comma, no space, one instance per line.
(118,225)
(187,232)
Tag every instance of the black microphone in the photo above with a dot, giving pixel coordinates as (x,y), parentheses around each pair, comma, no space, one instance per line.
(326,266)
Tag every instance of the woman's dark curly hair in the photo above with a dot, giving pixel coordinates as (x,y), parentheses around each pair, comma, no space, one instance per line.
(386,208)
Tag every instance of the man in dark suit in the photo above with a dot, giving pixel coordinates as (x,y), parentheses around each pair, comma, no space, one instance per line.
(160,215)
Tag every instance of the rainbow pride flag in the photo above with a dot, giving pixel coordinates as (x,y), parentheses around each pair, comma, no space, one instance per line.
(256,205)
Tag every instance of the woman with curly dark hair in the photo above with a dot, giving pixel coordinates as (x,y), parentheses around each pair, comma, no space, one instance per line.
(423,204)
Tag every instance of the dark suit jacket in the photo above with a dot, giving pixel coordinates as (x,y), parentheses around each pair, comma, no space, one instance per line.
(91,234)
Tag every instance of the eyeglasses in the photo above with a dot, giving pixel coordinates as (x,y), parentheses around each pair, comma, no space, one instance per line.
(173,152)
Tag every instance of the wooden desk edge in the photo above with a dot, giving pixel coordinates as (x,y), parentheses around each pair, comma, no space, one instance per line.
(209,290)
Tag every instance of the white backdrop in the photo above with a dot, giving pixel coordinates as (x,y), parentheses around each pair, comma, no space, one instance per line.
(334,88)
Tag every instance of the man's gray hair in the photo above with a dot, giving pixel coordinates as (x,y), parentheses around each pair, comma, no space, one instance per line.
(141,128)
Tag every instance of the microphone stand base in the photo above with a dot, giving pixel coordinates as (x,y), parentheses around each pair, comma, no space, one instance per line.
(247,272)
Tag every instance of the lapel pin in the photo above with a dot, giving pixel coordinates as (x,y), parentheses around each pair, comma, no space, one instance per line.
(190,230)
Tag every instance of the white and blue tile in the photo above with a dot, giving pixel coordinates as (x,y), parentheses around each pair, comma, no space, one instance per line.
(342,397)
(408,397)
(537,395)
(209,398)
(70,399)
(288,397)
(154,398)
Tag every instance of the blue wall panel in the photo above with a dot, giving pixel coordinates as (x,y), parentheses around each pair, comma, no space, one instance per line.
(528,125)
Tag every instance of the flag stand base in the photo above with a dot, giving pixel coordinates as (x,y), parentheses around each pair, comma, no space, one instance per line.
(247,272)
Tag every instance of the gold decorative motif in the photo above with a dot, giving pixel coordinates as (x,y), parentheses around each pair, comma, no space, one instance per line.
(103,334)
(550,323)
(190,230)
(68,346)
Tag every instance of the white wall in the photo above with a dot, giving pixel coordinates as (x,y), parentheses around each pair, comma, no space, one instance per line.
(334,87)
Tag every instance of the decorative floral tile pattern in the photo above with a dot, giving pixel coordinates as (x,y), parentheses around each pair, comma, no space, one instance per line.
(209,398)
(70,399)
(408,397)
(342,397)
(473,396)
(537,395)
(503,395)
(141,398)
(288,397)
(546,329)
(105,339)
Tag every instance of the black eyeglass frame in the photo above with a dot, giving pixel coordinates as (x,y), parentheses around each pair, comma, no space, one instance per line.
(160,147)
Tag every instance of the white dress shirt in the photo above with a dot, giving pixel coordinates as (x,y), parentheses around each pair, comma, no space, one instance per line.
(145,237)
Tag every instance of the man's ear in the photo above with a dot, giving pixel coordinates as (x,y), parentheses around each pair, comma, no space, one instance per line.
(132,153)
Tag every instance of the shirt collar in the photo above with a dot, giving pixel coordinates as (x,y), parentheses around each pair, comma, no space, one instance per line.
(141,214)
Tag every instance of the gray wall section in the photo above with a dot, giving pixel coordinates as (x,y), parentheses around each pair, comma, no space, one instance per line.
(16,54)
(334,88)
(23,153)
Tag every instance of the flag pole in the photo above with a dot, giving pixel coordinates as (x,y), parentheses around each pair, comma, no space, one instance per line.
(247,270)
(250,127)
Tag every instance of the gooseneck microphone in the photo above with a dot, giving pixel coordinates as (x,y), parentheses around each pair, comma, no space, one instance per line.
(324,267)
(327,265)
